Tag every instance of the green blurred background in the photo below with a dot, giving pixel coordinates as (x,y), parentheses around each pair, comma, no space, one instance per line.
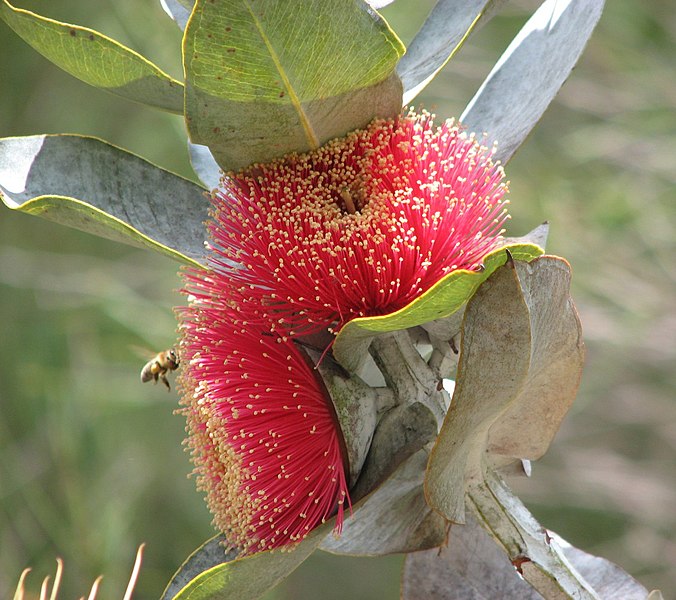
(91,462)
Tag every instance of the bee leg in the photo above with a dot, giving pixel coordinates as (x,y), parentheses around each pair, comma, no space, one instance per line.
(165,381)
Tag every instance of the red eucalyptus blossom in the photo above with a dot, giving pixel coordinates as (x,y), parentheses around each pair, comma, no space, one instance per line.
(359,227)
(263,434)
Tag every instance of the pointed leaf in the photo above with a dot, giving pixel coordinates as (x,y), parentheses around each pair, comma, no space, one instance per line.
(441,300)
(267,78)
(88,184)
(607,579)
(96,59)
(529,74)
(537,236)
(394,518)
(443,33)
(520,363)
(207,556)
(249,577)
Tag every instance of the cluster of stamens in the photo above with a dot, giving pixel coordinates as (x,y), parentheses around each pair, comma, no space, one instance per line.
(359,227)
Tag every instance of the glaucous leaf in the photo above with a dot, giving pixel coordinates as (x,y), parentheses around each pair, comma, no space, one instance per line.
(530,73)
(444,31)
(520,359)
(472,567)
(178,10)
(401,432)
(607,579)
(96,59)
(356,407)
(205,166)
(249,577)
(539,558)
(441,300)
(210,554)
(537,236)
(493,364)
(274,77)
(394,518)
(93,186)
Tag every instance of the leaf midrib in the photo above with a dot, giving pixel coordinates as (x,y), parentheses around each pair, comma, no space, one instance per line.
(310,135)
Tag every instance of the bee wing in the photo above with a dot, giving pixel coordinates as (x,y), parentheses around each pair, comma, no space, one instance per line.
(142,352)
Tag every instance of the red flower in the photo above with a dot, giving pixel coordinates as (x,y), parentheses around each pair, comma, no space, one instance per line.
(360,227)
(264,439)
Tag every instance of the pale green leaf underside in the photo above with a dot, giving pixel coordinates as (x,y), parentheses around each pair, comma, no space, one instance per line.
(210,554)
(249,577)
(93,186)
(530,73)
(96,59)
(270,77)
(441,300)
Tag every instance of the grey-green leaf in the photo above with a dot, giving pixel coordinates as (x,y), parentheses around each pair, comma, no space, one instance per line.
(93,186)
(607,579)
(530,73)
(96,59)
(276,76)
(471,567)
(178,11)
(204,165)
(444,31)
(394,518)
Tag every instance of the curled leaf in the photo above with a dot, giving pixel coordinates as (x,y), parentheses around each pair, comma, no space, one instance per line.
(443,299)
(520,363)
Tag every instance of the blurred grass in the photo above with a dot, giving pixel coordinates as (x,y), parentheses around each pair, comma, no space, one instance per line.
(91,463)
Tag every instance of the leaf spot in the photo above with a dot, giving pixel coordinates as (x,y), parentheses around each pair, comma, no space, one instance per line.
(518,561)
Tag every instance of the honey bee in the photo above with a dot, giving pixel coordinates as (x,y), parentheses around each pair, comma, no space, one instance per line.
(158,367)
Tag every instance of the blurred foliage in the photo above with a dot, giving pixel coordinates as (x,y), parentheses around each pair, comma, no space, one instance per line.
(91,461)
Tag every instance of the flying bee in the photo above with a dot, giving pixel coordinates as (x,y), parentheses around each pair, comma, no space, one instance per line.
(158,367)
